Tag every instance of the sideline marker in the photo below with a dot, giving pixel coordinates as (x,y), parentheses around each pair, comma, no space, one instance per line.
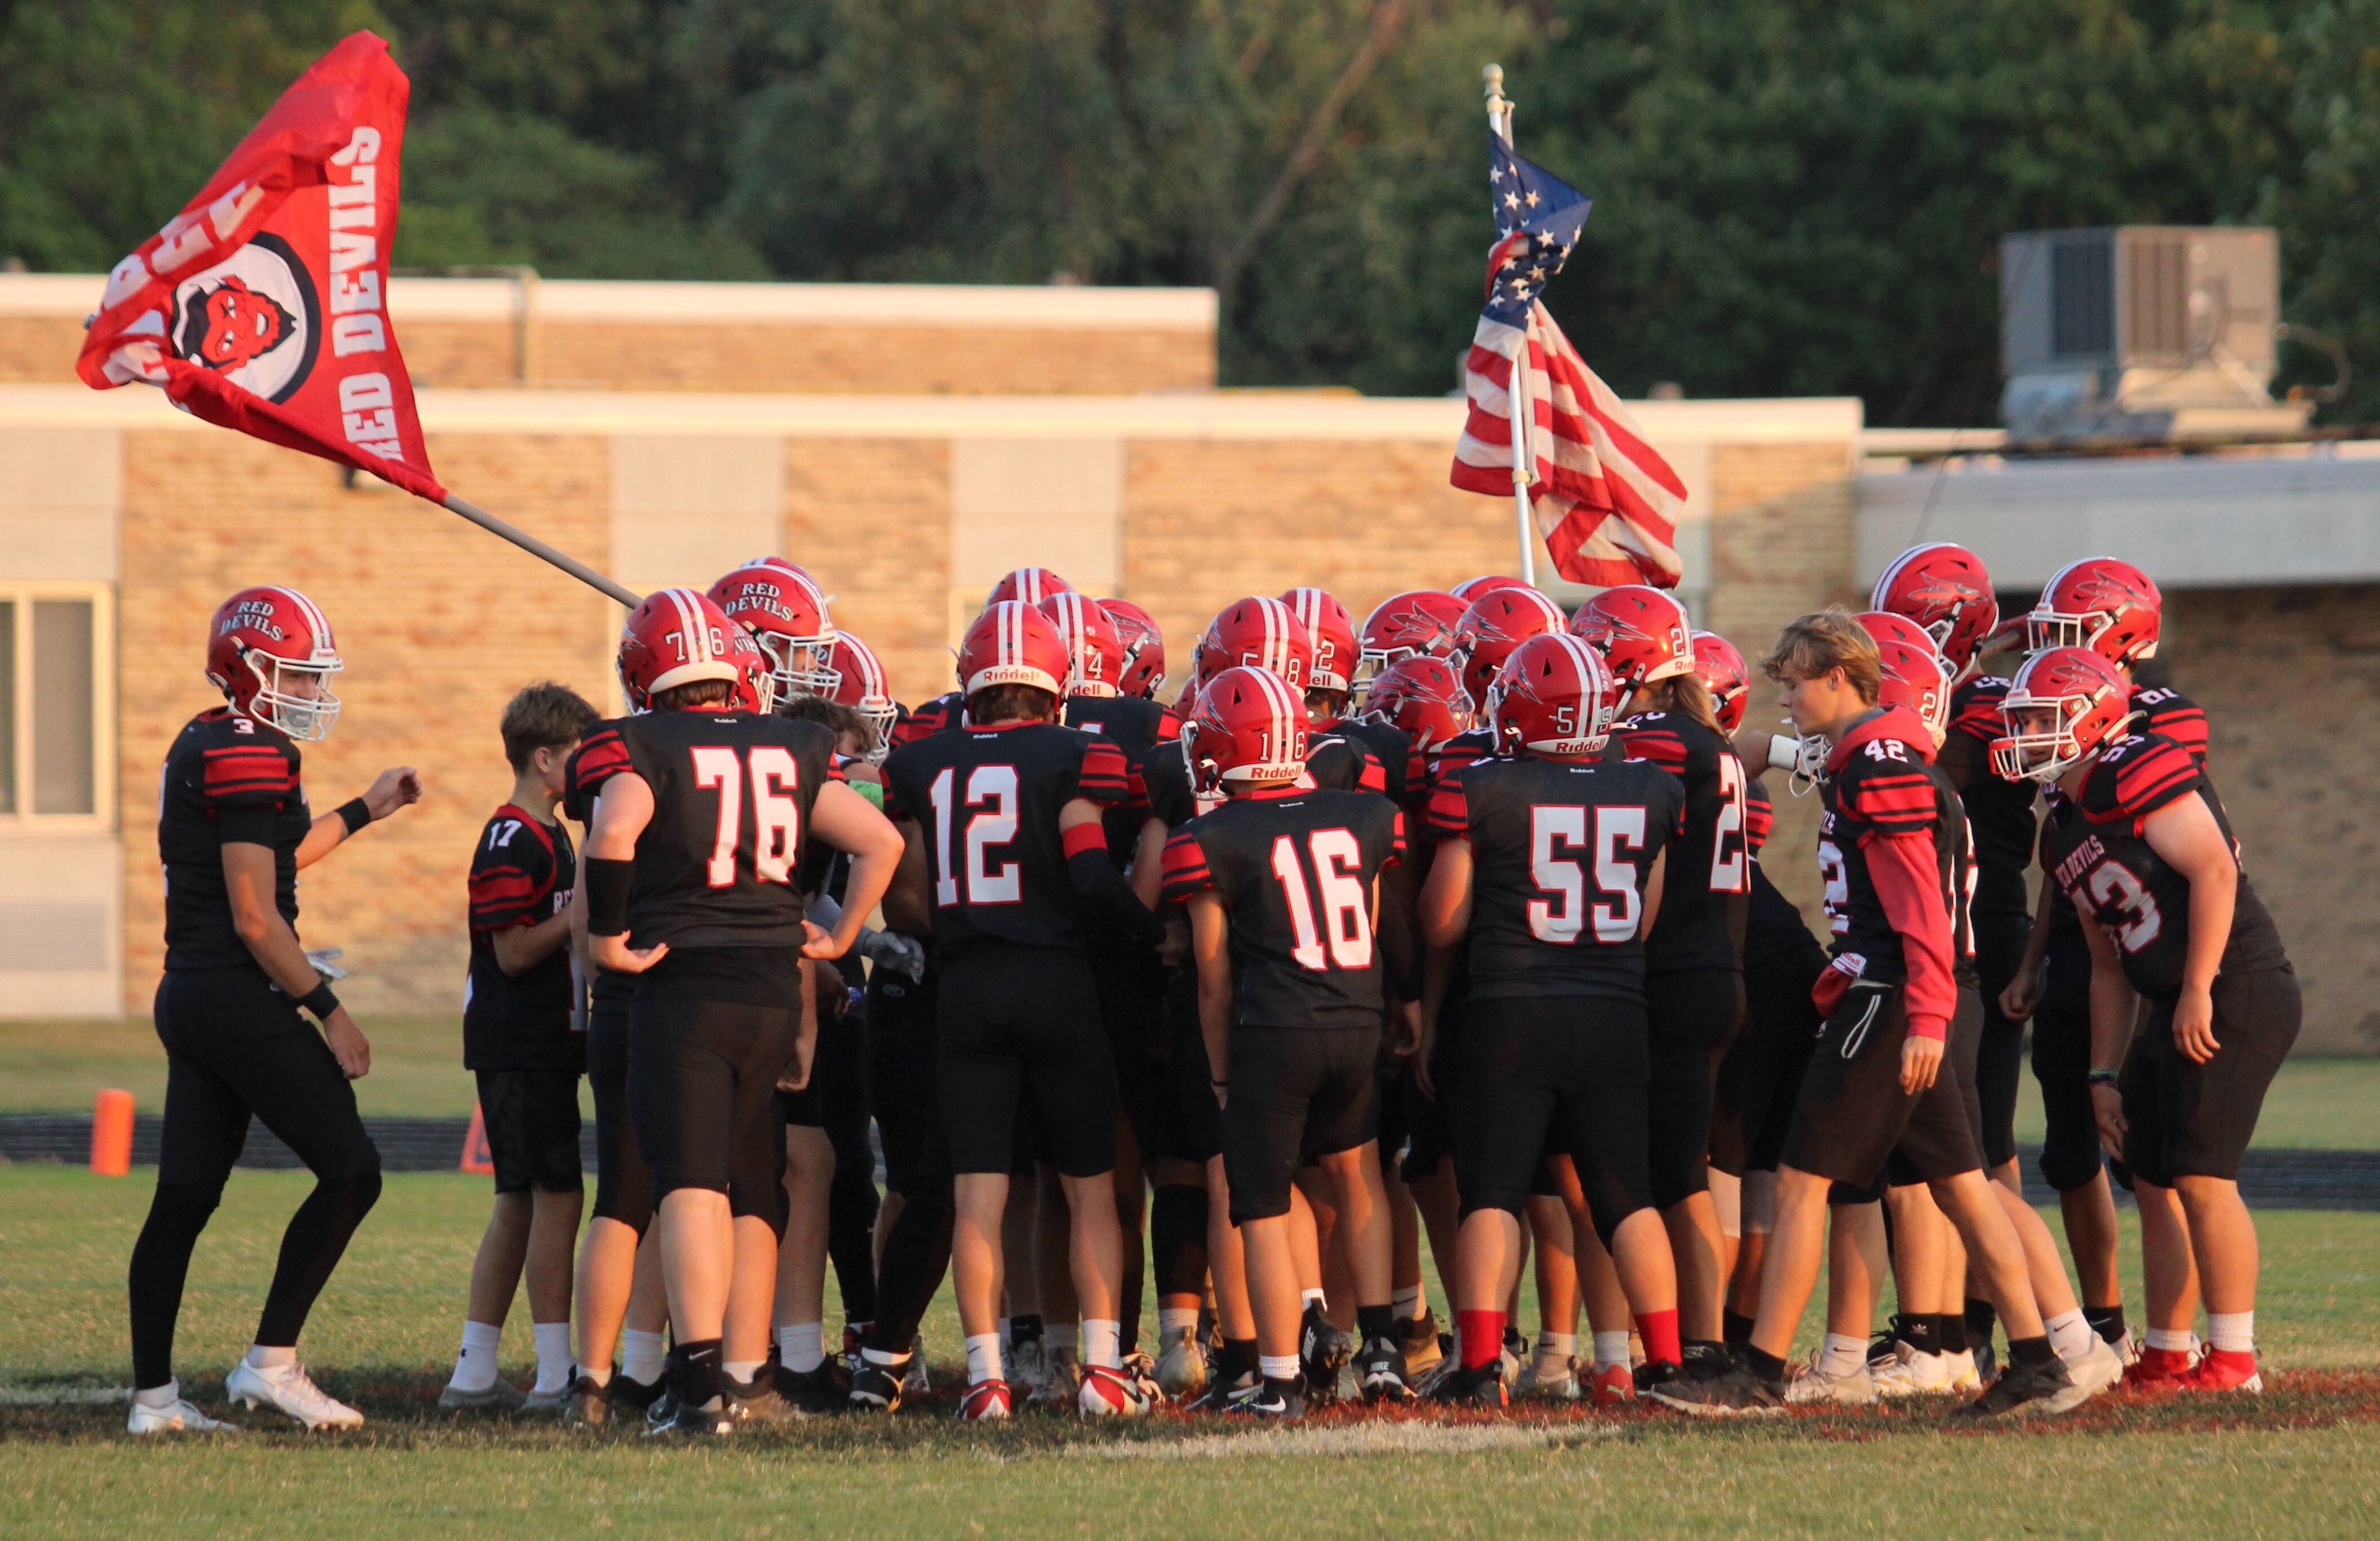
(111,1134)
(477,1157)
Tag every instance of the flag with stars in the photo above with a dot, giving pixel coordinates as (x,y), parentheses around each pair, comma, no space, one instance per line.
(1604,500)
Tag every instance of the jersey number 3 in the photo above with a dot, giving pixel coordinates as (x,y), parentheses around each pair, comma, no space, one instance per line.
(776,817)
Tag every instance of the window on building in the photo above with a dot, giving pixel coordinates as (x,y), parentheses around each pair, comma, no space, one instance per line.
(56,674)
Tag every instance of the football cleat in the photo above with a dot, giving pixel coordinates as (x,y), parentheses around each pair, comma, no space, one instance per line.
(1481,1386)
(1111,1393)
(1182,1369)
(535,1401)
(587,1403)
(1737,1394)
(877,1388)
(1379,1370)
(1322,1351)
(1060,1381)
(1422,1353)
(2025,1390)
(917,1382)
(1812,1387)
(2098,1368)
(1218,1396)
(1705,1361)
(498,1396)
(816,1391)
(985,1400)
(757,1401)
(175,1417)
(1141,1370)
(1911,1372)
(1515,1354)
(2161,1369)
(287,1390)
(1612,1386)
(710,1420)
(1028,1364)
(1262,1401)
(1987,1360)
(635,1396)
(1964,1377)
(1541,1380)
(661,1409)
(2226,1370)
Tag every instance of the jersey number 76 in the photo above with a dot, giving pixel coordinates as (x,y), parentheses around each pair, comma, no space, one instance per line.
(776,817)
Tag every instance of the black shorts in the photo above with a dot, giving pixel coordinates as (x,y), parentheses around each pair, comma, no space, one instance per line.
(1565,1076)
(1297,1094)
(2070,1151)
(1021,1038)
(2188,1120)
(1852,1115)
(703,1091)
(1691,1017)
(1999,1057)
(1960,1053)
(1186,1125)
(1131,990)
(531,1120)
(900,1084)
(624,1180)
(839,1075)
(1429,1122)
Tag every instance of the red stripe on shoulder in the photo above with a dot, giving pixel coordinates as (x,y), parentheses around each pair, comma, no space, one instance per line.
(1660,746)
(1450,809)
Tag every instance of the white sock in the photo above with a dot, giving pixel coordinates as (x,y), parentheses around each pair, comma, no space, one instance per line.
(553,1360)
(983,1357)
(2171,1341)
(599,1376)
(2232,1331)
(1842,1354)
(1103,1343)
(263,1358)
(1555,1349)
(643,1355)
(1408,1304)
(475,1368)
(1176,1318)
(160,1396)
(2069,1334)
(1314,1298)
(801,1347)
(1276,1367)
(1059,1335)
(743,1371)
(1610,1350)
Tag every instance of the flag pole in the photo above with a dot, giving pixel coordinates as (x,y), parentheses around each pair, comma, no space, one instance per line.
(1500,121)
(539,549)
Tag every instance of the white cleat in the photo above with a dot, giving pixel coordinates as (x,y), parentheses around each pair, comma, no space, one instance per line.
(287,1390)
(1028,1366)
(1812,1387)
(2096,1369)
(1182,1363)
(1913,1374)
(917,1382)
(175,1417)
(1964,1377)
(1543,1382)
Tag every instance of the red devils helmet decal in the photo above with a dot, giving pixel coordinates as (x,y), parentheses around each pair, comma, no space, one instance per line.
(1496,623)
(1418,621)
(1886,626)
(2110,607)
(1720,665)
(1944,589)
(1641,632)
(1422,695)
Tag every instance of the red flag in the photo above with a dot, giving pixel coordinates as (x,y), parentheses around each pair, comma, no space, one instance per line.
(263,305)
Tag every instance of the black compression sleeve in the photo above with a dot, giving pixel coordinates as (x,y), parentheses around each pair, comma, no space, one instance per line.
(608,885)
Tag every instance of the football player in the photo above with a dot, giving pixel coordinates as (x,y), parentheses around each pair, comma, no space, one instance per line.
(1550,861)
(781,607)
(2141,845)
(1004,848)
(232,830)
(1417,622)
(1877,1081)
(521,1039)
(1693,981)
(1282,886)
(691,875)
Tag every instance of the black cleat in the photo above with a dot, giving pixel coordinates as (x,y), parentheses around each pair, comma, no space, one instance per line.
(1736,1394)
(1703,1360)
(1380,1371)
(757,1402)
(710,1420)
(1217,1397)
(632,1396)
(813,1391)
(877,1388)
(1479,1386)
(588,1403)
(2024,1391)
(1322,1351)
(1265,1399)
(661,1409)
(1654,1373)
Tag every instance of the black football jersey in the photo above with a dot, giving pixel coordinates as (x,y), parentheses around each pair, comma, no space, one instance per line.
(522,872)
(1884,787)
(2169,714)
(1999,812)
(1386,746)
(1295,866)
(1133,725)
(228,780)
(942,714)
(1709,877)
(718,865)
(1760,820)
(987,801)
(1955,853)
(1560,851)
(2100,857)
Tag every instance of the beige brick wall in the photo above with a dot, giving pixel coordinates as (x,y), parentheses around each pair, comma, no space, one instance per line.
(40,349)
(871,517)
(439,626)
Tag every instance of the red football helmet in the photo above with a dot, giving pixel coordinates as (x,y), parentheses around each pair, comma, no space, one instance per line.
(2063,705)
(1420,621)
(1725,676)
(1422,695)
(860,684)
(1915,677)
(1556,696)
(782,606)
(1643,633)
(2108,606)
(1012,643)
(1945,590)
(1470,590)
(680,635)
(1030,584)
(1886,626)
(1249,725)
(270,651)
(1331,631)
(1092,642)
(1496,623)
(1144,648)
(1261,634)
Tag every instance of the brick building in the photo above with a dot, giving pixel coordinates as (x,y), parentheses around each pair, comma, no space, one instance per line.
(909,445)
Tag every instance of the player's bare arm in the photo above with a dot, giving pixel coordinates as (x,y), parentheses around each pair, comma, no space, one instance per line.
(2114,1010)
(2185,834)
(2023,991)
(249,880)
(1210,954)
(851,824)
(622,811)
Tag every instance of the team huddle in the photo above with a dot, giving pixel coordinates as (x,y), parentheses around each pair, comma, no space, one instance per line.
(1455,925)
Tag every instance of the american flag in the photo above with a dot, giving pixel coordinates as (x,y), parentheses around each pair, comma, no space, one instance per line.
(1604,499)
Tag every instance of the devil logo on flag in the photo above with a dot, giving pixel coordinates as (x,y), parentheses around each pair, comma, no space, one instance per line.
(253,318)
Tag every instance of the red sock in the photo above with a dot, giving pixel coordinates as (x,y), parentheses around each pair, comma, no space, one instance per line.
(1659,1330)
(1481,1334)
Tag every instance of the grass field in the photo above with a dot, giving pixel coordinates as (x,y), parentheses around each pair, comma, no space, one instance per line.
(2304,1461)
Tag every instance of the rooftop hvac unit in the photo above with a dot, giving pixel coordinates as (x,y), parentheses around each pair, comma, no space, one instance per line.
(2142,331)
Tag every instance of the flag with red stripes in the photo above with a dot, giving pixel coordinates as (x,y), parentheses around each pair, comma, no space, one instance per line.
(1604,500)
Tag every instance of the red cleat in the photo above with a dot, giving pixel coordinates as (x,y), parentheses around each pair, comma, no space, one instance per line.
(985,1400)
(2160,1370)
(2226,1370)
(1615,1386)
